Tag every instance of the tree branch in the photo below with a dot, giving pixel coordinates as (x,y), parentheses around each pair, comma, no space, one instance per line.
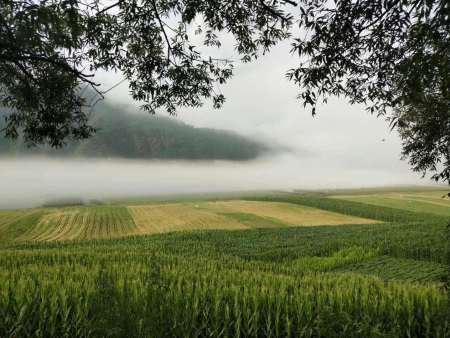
(293,3)
(109,7)
(169,47)
(379,18)
(273,12)
(80,75)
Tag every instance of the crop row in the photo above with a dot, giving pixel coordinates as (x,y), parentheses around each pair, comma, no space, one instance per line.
(367,280)
(161,296)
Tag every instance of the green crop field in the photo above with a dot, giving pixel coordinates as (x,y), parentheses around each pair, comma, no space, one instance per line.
(275,265)
(424,201)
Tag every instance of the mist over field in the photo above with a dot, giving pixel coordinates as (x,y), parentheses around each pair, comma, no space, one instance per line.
(346,149)
(343,147)
(33,181)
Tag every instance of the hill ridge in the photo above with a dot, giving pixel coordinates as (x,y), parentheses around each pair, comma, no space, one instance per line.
(124,134)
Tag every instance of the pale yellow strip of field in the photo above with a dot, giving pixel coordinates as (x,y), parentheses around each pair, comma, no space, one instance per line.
(436,200)
(179,217)
(7,217)
(79,223)
(287,213)
(422,198)
(53,226)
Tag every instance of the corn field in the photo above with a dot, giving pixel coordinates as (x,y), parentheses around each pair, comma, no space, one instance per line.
(381,279)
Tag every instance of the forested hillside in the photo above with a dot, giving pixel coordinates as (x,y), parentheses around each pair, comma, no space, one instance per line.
(125,134)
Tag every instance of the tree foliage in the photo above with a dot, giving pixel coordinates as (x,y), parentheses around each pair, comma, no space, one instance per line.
(49,48)
(390,55)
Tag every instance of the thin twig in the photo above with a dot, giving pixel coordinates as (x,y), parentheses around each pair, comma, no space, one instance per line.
(114,86)
(109,7)
(273,12)
(169,47)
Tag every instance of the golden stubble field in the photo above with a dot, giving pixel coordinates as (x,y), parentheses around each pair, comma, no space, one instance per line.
(102,222)
(289,214)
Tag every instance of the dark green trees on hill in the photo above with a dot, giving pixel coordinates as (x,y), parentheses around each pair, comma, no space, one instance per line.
(129,135)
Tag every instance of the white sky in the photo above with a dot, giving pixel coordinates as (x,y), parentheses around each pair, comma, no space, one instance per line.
(262,103)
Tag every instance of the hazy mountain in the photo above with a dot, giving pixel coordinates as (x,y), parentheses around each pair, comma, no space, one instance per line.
(138,135)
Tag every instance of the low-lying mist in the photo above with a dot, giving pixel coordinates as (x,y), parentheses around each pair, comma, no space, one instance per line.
(33,181)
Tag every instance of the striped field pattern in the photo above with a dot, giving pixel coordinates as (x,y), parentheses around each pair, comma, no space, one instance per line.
(84,223)
(179,217)
(266,266)
(103,222)
(434,202)
(289,214)
(69,224)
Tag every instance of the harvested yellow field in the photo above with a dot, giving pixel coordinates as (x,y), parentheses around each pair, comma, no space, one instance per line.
(290,214)
(103,222)
(83,223)
(7,217)
(179,217)
(14,225)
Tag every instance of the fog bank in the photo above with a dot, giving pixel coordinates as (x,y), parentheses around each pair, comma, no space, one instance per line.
(28,182)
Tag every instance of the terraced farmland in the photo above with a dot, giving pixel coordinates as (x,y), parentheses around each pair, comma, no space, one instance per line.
(286,265)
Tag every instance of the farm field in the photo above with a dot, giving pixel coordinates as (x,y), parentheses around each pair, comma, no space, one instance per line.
(425,201)
(275,265)
(102,222)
